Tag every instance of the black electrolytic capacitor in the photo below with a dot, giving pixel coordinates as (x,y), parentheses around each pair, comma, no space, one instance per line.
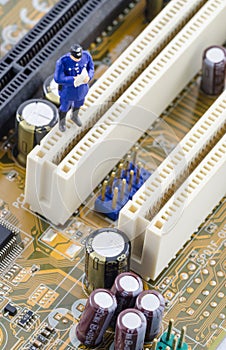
(107,254)
(130,330)
(151,303)
(126,288)
(96,317)
(213,70)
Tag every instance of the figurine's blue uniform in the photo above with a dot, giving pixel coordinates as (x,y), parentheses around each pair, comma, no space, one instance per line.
(66,70)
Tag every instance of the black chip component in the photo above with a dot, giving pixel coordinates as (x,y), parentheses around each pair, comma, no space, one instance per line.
(5,236)
(26,318)
(10,309)
(8,238)
(42,339)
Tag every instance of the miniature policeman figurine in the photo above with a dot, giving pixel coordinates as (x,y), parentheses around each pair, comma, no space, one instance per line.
(73,72)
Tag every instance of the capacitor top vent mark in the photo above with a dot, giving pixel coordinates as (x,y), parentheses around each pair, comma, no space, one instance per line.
(213,70)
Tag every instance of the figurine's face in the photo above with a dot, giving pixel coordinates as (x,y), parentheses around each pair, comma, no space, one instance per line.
(75,59)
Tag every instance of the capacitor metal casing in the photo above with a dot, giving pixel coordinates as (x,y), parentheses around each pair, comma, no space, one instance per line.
(96,317)
(152,304)
(34,119)
(107,254)
(130,330)
(213,70)
(50,89)
(126,288)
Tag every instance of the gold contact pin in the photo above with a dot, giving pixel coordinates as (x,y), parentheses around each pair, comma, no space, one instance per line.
(111,181)
(136,148)
(115,198)
(131,173)
(120,168)
(123,188)
(128,161)
(120,172)
(154,344)
(175,340)
(103,190)
(138,173)
(169,331)
(182,336)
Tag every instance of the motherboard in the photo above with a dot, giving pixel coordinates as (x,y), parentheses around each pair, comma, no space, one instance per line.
(43,287)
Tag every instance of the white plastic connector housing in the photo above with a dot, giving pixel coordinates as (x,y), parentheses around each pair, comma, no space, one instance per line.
(69,183)
(183,213)
(150,197)
(121,73)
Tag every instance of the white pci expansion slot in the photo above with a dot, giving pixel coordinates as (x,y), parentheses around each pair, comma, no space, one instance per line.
(183,213)
(135,216)
(69,183)
(43,161)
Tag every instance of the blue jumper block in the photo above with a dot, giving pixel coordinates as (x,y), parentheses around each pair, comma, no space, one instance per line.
(105,207)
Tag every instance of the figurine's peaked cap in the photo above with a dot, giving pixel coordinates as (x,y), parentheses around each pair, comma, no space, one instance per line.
(76,51)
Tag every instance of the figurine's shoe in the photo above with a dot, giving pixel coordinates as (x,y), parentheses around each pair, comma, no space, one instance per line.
(62,125)
(76,120)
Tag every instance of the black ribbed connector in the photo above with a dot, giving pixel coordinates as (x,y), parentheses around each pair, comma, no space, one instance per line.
(25,67)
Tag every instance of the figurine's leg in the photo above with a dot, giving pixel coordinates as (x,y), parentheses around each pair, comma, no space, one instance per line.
(62,123)
(64,107)
(74,116)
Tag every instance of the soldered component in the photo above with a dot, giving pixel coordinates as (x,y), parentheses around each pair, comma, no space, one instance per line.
(213,70)
(130,330)
(26,319)
(96,317)
(46,333)
(12,175)
(126,288)
(107,254)
(42,339)
(37,344)
(9,237)
(10,309)
(50,329)
(151,303)
(34,119)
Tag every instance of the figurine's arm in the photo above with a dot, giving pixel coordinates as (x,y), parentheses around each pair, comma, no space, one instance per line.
(59,75)
(90,67)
